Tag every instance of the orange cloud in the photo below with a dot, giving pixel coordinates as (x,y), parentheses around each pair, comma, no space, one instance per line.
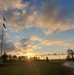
(50,42)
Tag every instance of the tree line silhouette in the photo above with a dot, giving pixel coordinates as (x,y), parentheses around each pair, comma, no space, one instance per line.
(8,58)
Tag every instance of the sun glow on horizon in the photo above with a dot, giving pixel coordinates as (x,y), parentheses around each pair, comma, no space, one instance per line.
(29,55)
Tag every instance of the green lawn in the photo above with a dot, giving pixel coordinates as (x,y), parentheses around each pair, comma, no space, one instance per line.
(32,68)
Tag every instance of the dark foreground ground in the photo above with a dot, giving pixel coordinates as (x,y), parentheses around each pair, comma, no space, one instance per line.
(33,68)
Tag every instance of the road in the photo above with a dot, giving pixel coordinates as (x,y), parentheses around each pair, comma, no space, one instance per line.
(70,67)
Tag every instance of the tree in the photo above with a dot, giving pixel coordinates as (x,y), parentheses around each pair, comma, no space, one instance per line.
(68,57)
(71,53)
(10,57)
(14,57)
(35,58)
(4,57)
(47,60)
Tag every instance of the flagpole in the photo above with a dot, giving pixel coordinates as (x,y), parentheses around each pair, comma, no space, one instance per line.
(3,26)
(2,37)
(2,40)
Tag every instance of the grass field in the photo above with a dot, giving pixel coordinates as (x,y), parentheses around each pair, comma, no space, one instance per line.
(32,68)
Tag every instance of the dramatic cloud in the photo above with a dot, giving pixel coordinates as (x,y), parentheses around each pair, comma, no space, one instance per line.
(51,18)
(48,16)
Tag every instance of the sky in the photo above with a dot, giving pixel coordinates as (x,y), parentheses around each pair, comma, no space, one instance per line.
(37,27)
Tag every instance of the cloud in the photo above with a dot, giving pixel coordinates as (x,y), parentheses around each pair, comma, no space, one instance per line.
(17,43)
(6,4)
(48,16)
(21,47)
(35,38)
(51,42)
(36,47)
(8,45)
(15,12)
(51,18)
(29,47)
(6,37)
(23,40)
(45,42)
